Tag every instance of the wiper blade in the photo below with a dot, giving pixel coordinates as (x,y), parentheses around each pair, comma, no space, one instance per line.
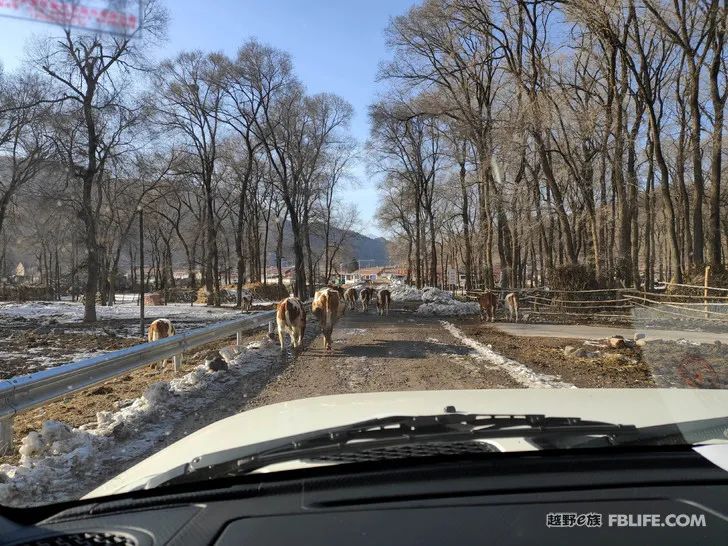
(382,433)
(685,433)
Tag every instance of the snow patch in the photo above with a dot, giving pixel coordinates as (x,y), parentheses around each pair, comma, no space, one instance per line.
(61,462)
(451,308)
(406,292)
(520,373)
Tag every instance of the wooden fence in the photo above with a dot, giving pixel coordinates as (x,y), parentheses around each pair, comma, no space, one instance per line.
(624,304)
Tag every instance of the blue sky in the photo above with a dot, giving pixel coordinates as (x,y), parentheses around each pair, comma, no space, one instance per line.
(336,46)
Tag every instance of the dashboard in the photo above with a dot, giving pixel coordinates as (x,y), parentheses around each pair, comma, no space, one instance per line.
(673,497)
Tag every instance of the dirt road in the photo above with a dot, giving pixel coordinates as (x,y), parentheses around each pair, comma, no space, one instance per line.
(401,351)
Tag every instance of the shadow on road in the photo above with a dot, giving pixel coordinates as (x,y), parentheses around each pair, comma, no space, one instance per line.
(401,349)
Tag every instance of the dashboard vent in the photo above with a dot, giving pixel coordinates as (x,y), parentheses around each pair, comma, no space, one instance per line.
(406,451)
(83,539)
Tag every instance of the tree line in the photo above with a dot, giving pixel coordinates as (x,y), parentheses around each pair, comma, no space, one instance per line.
(219,153)
(523,136)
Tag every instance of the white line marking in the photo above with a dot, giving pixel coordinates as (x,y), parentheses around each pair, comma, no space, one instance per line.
(520,373)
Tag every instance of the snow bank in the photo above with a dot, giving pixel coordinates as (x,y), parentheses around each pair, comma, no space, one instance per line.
(61,462)
(448,309)
(428,294)
(435,295)
(520,373)
(405,292)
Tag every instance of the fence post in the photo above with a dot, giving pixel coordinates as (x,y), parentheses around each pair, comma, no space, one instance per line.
(271,330)
(177,362)
(705,290)
(6,434)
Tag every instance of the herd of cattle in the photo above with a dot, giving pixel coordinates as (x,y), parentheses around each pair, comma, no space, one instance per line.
(329,303)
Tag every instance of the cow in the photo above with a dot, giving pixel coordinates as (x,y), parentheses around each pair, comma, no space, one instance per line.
(384,297)
(341,291)
(326,307)
(350,297)
(246,300)
(512,306)
(291,320)
(488,302)
(366,296)
(159,329)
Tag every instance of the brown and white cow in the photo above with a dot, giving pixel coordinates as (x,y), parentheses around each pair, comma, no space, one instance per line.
(159,329)
(512,306)
(365,294)
(341,291)
(384,297)
(488,302)
(350,297)
(291,320)
(326,307)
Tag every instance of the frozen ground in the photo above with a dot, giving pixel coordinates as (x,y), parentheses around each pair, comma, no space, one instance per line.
(39,335)
(60,462)
(519,372)
(66,311)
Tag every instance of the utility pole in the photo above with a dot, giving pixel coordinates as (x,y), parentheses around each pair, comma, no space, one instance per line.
(141,270)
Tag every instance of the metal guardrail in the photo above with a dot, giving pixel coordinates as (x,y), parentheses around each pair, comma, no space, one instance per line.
(26,392)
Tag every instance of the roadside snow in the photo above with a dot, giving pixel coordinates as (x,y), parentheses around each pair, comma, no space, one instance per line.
(436,302)
(61,462)
(520,373)
(451,308)
(405,292)
(73,311)
(435,295)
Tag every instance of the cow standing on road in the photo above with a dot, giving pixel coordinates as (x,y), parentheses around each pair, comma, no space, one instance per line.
(488,302)
(350,297)
(384,297)
(326,307)
(512,306)
(291,319)
(366,297)
(341,291)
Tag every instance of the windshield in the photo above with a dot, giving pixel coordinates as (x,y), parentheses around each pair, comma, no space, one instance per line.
(421,207)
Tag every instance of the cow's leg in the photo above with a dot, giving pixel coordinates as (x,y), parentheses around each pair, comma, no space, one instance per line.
(492,314)
(280,336)
(516,313)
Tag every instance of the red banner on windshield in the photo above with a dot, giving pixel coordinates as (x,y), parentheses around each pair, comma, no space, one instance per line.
(113,16)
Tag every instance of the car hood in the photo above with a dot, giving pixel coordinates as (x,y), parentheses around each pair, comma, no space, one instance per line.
(640,407)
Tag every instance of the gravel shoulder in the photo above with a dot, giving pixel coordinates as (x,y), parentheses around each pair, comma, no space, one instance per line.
(660,363)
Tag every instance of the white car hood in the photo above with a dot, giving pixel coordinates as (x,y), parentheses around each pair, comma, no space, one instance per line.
(640,407)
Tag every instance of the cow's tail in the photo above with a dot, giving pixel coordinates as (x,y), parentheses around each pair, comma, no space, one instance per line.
(287,314)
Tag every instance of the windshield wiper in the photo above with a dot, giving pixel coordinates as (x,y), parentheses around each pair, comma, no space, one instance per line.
(387,432)
(685,433)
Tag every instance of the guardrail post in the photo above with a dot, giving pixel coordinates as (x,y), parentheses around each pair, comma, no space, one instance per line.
(6,434)
(271,330)
(239,339)
(177,362)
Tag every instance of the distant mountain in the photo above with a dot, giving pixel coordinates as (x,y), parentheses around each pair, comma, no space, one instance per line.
(368,250)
